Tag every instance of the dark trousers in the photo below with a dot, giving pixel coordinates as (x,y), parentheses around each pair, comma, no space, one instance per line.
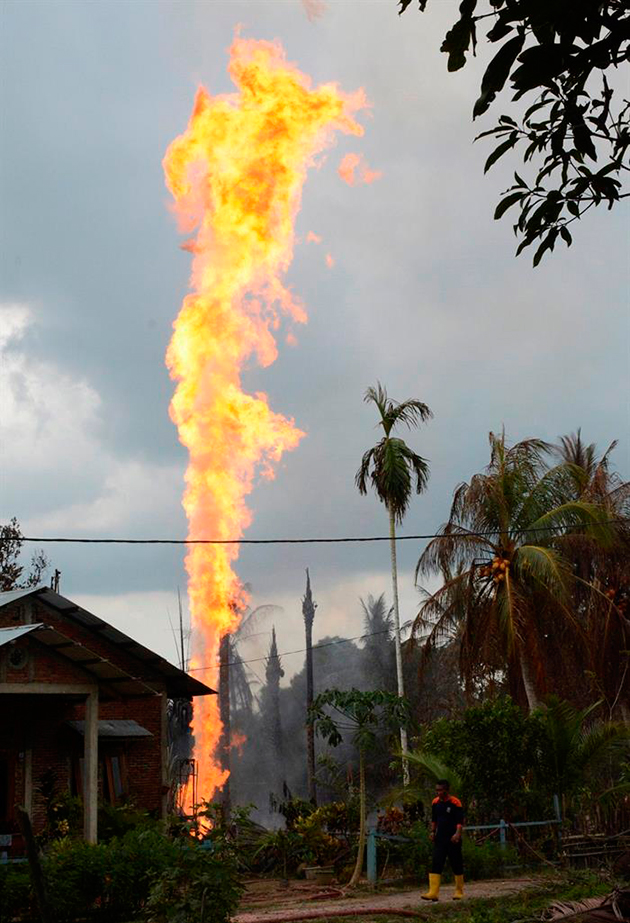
(452,852)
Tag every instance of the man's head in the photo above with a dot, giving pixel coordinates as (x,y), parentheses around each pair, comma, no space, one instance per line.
(442,789)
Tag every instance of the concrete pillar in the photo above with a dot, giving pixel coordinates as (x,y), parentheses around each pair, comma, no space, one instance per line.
(90,754)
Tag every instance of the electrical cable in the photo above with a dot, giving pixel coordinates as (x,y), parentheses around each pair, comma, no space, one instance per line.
(296,541)
(300,650)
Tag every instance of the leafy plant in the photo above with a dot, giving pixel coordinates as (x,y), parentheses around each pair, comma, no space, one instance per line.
(576,129)
(574,745)
(361,713)
(495,748)
(201,885)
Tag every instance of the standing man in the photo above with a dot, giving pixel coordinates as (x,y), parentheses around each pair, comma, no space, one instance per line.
(447,820)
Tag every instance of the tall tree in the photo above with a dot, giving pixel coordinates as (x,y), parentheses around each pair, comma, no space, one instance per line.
(507,583)
(12,572)
(392,468)
(577,127)
(602,592)
(308,611)
(271,714)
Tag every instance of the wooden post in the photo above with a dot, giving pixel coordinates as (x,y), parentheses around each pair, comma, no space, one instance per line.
(90,755)
(35,866)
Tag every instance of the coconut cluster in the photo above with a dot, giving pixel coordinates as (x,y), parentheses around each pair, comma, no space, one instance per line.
(618,597)
(497,569)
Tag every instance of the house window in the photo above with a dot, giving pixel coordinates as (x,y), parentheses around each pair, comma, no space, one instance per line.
(115,778)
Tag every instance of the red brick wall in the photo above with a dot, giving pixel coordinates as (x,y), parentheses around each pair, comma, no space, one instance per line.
(41,720)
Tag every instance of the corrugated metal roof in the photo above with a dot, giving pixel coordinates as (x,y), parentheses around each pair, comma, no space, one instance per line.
(117,727)
(178,682)
(11,595)
(12,634)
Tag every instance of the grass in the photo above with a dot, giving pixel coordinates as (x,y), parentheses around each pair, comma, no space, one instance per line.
(527,907)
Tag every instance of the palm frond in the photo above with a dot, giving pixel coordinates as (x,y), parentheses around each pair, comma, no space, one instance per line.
(508,605)
(377,396)
(434,768)
(410,412)
(544,566)
(362,475)
(572,910)
(577,514)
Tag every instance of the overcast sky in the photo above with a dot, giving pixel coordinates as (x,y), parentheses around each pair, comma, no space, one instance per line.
(425,294)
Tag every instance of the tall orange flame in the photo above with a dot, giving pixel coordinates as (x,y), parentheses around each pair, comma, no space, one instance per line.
(236,175)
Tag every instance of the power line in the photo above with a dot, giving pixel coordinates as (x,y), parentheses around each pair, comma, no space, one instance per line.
(301,650)
(296,541)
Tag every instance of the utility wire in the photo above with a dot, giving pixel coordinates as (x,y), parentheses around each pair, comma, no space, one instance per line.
(300,650)
(297,541)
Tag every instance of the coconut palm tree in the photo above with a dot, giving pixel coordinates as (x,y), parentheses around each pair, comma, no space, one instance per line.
(602,592)
(393,469)
(507,584)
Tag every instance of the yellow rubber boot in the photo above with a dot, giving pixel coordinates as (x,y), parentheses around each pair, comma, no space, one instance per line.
(433,894)
(459,888)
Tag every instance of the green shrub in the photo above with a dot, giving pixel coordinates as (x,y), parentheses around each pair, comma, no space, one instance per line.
(16,897)
(201,885)
(416,855)
(117,820)
(114,882)
(110,881)
(488,860)
(75,877)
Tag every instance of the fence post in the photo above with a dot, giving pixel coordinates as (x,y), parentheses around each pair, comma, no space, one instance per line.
(502,836)
(556,807)
(371,856)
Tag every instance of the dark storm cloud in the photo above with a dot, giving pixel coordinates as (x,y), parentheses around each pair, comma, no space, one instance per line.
(424,293)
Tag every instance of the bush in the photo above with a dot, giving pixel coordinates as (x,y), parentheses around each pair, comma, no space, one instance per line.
(117,820)
(109,881)
(488,860)
(16,898)
(112,882)
(202,885)
(495,748)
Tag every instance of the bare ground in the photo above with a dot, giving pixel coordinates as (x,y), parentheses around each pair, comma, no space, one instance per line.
(273,902)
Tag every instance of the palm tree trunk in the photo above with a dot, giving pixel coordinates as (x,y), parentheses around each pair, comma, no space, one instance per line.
(397,645)
(528,680)
(356,875)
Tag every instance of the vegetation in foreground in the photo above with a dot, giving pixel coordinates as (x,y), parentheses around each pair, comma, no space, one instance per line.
(528,907)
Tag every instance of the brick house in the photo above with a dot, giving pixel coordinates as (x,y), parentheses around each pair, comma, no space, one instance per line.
(81,702)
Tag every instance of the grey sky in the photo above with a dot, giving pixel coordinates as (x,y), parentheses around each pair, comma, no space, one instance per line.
(425,295)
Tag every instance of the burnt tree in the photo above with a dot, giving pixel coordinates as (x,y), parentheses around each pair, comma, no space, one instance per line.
(308,611)
(272,718)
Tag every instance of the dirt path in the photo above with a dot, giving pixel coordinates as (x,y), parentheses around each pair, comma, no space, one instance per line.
(299,902)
